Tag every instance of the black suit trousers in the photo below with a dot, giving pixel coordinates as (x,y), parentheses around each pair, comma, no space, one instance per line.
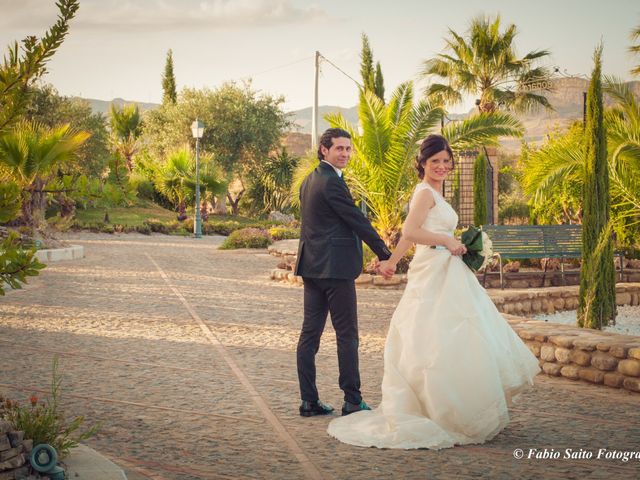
(337,297)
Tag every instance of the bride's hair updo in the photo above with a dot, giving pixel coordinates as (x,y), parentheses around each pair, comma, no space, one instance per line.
(428,148)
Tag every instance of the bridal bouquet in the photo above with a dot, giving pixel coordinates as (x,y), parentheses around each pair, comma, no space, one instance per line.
(479,248)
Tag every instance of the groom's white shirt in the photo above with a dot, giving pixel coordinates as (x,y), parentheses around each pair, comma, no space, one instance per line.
(338,171)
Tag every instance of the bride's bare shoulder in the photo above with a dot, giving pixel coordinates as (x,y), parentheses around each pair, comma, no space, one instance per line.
(423,197)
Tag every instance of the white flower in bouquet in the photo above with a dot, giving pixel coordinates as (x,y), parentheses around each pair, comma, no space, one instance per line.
(487,250)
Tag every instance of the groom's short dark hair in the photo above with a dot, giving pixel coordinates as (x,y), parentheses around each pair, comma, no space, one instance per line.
(326,140)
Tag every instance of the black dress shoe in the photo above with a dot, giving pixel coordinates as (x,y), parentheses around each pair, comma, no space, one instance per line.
(349,407)
(309,409)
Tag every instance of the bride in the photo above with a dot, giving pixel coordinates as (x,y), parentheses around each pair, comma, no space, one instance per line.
(451,361)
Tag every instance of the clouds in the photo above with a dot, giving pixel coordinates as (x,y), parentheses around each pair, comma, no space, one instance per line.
(154,15)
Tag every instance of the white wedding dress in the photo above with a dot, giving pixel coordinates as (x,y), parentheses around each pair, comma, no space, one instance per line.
(451,361)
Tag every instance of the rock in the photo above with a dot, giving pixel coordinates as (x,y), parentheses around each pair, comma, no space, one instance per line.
(558,303)
(587,343)
(5,426)
(281,217)
(563,355)
(541,337)
(603,346)
(12,452)
(632,384)
(364,279)
(15,438)
(591,375)
(580,357)
(547,353)
(570,371)
(551,368)
(380,280)
(618,350)
(5,444)
(534,347)
(629,367)
(623,299)
(614,380)
(565,341)
(14,462)
(536,306)
(634,353)
(27,446)
(602,361)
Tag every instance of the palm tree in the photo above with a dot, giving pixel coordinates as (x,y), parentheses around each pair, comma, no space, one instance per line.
(555,172)
(30,155)
(125,131)
(381,170)
(485,64)
(635,49)
(177,180)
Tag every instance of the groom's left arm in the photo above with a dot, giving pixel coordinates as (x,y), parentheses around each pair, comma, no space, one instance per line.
(340,200)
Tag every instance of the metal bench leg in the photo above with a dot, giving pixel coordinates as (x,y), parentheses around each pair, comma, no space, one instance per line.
(544,273)
(564,280)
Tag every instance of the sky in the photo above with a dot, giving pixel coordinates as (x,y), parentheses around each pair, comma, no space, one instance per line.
(117,48)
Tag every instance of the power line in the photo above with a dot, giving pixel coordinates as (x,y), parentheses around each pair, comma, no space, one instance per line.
(278,67)
(341,71)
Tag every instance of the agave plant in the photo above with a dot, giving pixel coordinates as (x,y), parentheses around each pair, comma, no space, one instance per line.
(380,174)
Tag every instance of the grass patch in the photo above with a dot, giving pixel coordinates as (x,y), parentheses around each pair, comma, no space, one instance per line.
(133,216)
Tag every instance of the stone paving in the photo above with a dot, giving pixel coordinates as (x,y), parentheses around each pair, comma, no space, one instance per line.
(186,355)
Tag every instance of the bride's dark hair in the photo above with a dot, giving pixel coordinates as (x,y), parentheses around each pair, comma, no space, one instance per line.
(428,148)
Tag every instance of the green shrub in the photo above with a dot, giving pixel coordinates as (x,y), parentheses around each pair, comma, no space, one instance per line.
(247,238)
(156,226)
(284,233)
(44,422)
(222,227)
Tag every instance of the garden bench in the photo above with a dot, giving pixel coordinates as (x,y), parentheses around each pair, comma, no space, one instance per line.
(515,242)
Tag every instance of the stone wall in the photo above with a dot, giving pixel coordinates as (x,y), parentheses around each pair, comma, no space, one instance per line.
(581,354)
(14,452)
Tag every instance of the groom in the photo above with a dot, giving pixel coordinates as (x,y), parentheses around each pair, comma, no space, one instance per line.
(329,260)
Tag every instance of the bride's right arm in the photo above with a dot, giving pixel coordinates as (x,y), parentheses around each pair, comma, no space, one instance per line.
(412,229)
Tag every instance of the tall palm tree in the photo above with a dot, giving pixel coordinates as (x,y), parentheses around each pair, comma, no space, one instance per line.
(125,131)
(484,63)
(381,170)
(30,155)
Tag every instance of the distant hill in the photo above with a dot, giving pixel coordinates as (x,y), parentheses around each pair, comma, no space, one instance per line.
(102,106)
(566,98)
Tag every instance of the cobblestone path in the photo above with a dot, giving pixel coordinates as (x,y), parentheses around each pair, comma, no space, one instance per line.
(186,355)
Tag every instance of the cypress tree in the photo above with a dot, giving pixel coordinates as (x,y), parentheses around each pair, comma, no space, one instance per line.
(480,213)
(597,304)
(379,83)
(366,65)
(169,94)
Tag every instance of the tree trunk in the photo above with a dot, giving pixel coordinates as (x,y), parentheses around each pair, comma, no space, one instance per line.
(220,207)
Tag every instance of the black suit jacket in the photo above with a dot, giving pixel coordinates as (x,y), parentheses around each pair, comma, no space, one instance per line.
(332,229)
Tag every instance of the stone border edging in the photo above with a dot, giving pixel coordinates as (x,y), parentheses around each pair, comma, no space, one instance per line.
(576,353)
(73,252)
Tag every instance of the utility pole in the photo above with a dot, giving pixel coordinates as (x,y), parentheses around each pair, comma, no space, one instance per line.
(314,110)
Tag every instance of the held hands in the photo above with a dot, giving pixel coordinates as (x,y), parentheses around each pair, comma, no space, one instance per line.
(455,246)
(386,268)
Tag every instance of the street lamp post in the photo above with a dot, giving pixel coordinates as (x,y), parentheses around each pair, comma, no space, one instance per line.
(197,128)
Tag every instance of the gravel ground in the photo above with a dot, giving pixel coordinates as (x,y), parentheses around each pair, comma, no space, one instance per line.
(627,321)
